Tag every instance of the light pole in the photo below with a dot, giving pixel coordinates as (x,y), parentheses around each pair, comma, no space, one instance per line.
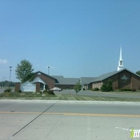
(3,80)
(48,69)
(2,83)
(10,75)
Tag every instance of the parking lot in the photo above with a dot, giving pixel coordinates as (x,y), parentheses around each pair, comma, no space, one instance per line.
(1,90)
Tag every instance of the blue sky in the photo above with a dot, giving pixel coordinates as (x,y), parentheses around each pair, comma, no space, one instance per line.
(76,38)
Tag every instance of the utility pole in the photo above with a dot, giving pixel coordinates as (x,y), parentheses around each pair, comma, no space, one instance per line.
(3,82)
(48,69)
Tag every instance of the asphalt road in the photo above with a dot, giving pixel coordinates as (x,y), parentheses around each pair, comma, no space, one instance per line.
(67,120)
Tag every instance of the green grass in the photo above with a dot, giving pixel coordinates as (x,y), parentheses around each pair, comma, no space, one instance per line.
(26,94)
(38,96)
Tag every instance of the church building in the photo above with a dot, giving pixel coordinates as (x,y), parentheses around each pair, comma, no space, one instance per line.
(122,78)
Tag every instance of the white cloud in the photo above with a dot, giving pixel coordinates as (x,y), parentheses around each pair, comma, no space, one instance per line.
(3,61)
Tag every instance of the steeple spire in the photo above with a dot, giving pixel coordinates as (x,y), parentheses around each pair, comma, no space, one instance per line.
(120,66)
(120,53)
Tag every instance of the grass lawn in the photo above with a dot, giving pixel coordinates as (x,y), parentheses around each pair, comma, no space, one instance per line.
(46,96)
(125,92)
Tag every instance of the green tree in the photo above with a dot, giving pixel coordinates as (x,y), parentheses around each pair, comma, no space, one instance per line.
(104,87)
(107,87)
(77,87)
(138,72)
(24,71)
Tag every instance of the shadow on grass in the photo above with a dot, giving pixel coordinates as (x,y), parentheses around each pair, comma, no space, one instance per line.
(46,96)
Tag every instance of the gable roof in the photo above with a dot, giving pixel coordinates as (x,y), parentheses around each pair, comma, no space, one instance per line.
(87,80)
(66,81)
(58,78)
(27,83)
(37,79)
(39,72)
(107,75)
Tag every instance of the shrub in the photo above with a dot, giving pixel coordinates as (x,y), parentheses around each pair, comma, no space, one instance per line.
(121,89)
(133,90)
(13,94)
(125,89)
(95,89)
(77,87)
(107,87)
(104,88)
(50,92)
(7,90)
(45,91)
(2,95)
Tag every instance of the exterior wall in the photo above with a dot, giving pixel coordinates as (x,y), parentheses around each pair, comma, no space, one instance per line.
(85,87)
(90,86)
(28,87)
(121,80)
(48,80)
(65,86)
(37,87)
(132,81)
(125,84)
(114,80)
(97,85)
(17,87)
(135,82)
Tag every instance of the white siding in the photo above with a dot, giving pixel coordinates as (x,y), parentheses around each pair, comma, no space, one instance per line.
(28,87)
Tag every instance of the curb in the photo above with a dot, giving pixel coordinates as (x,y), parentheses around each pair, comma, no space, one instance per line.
(72,102)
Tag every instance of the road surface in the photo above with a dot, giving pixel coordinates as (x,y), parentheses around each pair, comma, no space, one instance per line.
(67,120)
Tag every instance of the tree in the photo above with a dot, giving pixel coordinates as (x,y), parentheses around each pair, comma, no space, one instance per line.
(104,87)
(107,87)
(138,72)
(77,87)
(24,71)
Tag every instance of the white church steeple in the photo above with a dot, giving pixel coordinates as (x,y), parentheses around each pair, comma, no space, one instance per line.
(120,66)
